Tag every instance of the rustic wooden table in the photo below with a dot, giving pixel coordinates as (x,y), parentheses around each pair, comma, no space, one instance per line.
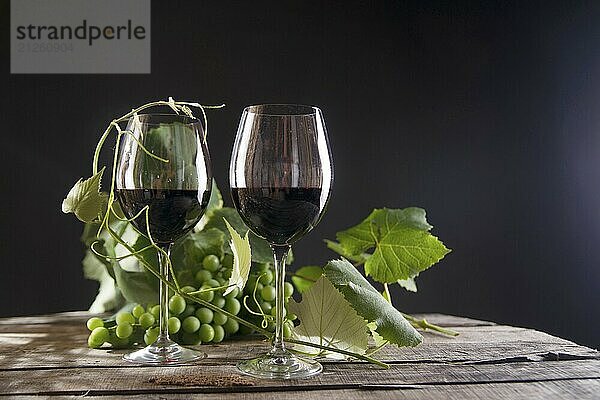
(47,356)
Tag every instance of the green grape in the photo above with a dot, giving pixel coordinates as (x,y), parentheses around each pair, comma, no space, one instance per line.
(137,310)
(174,324)
(271,326)
(222,281)
(185,277)
(219,301)
(266,277)
(205,315)
(118,343)
(219,318)
(176,304)
(219,333)
(231,326)
(98,336)
(146,320)
(125,318)
(123,331)
(274,311)
(259,287)
(240,294)
(203,276)
(190,338)
(234,293)
(211,263)
(226,274)
(206,333)
(287,330)
(263,267)
(92,344)
(266,307)
(228,260)
(232,305)
(288,289)
(189,310)
(212,283)
(268,293)
(155,311)
(188,289)
(151,335)
(206,296)
(94,323)
(292,316)
(191,324)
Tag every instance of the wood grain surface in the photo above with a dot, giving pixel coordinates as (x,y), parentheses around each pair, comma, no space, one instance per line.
(47,356)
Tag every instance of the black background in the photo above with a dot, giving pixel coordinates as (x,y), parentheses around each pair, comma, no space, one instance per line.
(486,114)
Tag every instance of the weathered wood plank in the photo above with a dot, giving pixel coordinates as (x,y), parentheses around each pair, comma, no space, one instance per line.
(558,390)
(335,376)
(48,356)
(64,345)
(76,317)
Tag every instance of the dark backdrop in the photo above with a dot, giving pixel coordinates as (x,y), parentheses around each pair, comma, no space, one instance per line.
(484,114)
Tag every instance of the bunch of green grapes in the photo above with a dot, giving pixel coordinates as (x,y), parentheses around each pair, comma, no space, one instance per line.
(259,300)
(189,323)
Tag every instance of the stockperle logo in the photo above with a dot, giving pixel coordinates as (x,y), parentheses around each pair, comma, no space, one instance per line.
(80,36)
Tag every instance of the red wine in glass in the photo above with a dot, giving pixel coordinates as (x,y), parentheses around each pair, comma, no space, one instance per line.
(280,177)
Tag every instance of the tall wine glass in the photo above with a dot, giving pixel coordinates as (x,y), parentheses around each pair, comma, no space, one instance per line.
(280,176)
(176,191)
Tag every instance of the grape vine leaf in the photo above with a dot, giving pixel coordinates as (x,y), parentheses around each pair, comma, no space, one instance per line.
(108,297)
(242,260)
(370,304)
(306,276)
(408,284)
(261,252)
(338,248)
(136,283)
(85,199)
(402,242)
(216,199)
(326,318)
(377,338)
(201,244)
(214,203)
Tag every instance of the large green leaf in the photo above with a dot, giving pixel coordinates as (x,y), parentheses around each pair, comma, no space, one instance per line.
(108,297)
(261,252)
(326,318)
(216,200)
(306,276)
(338,248)
(85,199)
(137,287)
(215,203)
(135,282)
(242,260)
(408,284)
(370,304)
(198,245)
(402,242)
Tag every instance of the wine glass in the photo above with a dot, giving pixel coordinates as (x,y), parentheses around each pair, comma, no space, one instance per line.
(280,175)
(164,165)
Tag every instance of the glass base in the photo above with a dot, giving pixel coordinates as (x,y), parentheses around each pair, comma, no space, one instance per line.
(280,365)
(164,352)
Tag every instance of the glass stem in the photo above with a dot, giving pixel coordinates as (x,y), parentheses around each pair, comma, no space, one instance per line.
(164,293)
(280,253)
